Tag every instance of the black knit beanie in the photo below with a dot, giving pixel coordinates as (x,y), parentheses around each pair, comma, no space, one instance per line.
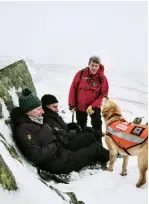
(48,99)
(28,100)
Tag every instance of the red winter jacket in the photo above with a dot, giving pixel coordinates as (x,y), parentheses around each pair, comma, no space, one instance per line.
(87,89)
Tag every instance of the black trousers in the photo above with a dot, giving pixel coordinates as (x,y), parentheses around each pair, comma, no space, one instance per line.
(83,139)
(74,161)
(96,122)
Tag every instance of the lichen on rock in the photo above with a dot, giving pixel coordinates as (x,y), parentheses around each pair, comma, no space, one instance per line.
(7,179)
(15,75)
(74,198)
(0,110)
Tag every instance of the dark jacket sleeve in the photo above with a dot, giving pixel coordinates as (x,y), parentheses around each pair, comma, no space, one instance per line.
(34,151)
(73,126)
(73,90)
(103,92)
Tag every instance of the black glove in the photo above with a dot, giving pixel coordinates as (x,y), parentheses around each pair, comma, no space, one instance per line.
(72,107)
(72,134)
(61,135)
(74,126)
(88,129)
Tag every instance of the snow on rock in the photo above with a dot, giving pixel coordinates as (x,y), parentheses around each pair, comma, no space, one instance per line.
(93,186)
(30,188)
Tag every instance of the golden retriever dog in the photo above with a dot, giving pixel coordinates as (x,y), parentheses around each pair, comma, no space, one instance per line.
(128,139)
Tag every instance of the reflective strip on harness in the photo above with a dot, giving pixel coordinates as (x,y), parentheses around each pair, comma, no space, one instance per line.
(124,135)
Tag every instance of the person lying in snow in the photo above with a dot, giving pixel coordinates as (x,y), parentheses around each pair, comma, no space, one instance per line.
(41,145)
(70,134)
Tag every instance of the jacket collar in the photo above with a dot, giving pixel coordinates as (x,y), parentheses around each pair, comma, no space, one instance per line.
(50,114)
(18,116)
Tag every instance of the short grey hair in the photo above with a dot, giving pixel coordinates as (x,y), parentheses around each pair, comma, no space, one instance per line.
(94,59)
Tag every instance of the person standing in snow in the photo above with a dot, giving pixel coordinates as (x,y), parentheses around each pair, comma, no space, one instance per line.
(87,90)
(40,144)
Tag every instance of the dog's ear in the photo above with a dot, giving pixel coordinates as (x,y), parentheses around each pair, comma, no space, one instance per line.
(104,100)
(105,113)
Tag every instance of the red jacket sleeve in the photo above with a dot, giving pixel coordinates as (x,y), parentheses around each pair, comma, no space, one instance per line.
(72,99)
(103,92)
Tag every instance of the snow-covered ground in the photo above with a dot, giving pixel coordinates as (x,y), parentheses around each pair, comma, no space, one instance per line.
(91,186)
(130,92)
(70,32)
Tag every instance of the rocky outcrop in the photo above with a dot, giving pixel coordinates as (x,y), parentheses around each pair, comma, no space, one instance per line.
(7,179)
(13,79)
(15,76)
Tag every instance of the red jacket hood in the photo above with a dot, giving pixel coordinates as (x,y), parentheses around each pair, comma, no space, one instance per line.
(101,69)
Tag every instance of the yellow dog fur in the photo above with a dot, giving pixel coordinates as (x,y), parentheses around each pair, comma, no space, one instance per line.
(109,109)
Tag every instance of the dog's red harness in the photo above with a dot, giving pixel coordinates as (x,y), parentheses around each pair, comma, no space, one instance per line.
(127,135)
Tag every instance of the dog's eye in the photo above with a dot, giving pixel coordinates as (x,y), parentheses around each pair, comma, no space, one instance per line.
(104,115)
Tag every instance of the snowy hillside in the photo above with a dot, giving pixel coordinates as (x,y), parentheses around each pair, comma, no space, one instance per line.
(56,39)
(131,95)
(91,186)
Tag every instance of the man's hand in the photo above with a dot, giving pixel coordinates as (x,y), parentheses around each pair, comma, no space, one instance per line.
(74,126)
(72,109)
(61,135)
(90,110)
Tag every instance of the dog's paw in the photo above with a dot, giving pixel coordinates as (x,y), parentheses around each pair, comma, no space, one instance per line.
(140,183)
(123,173)
(109,169)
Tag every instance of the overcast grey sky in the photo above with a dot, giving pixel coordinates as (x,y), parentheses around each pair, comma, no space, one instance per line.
(70,32)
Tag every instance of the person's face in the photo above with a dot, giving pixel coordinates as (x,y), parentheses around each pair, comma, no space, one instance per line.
(93,67)
(36,112)
(53,107)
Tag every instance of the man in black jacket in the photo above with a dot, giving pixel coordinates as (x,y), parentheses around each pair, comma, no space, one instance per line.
(70,134)
(40,144)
